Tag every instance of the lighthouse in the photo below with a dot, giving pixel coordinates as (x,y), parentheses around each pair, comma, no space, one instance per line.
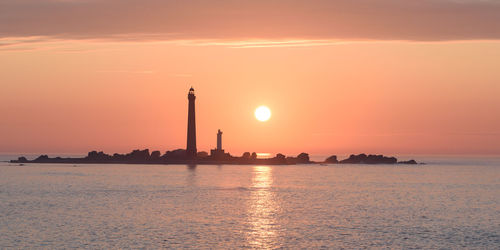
(218,152)
(191,129)
(219,140)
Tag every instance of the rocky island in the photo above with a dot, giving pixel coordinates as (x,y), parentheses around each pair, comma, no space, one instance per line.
(180,156)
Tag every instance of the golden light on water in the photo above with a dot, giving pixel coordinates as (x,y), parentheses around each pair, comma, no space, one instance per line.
(262,210)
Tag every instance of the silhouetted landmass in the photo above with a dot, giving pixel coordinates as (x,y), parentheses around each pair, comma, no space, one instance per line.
(407,162)
(370,159)
(180,156)
(332,159)
(374,159)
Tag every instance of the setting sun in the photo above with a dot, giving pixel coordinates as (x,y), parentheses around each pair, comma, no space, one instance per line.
(262,113)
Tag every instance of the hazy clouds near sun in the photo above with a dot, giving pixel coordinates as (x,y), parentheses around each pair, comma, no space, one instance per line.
(224,19)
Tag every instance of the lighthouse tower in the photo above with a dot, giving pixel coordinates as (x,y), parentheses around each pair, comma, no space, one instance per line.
(218,152)
(219,140)
(191,130)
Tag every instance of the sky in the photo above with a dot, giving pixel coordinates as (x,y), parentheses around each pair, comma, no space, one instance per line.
(372,76)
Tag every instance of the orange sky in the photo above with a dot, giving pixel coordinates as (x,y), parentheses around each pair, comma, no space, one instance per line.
(329,94)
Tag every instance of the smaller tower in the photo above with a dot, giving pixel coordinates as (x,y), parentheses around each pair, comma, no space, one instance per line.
(218,152)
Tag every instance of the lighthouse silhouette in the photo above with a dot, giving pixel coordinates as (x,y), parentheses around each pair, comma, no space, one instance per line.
(191,130)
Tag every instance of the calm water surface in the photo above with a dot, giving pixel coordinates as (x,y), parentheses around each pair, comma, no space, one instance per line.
(439,205)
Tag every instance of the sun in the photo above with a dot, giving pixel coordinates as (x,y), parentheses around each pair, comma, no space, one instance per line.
(262,113)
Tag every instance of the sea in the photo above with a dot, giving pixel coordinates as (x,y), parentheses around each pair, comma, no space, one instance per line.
(447,203)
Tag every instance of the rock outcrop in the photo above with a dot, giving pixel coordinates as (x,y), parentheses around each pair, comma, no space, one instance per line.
(411,162)
(369,159)
(179,156)
(332,159)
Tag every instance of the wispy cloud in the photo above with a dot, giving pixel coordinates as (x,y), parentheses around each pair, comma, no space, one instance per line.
(127,71)
(15,41)
(181,75)
(60,45)
(261,43)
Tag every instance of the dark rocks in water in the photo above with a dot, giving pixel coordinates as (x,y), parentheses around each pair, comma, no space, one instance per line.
(179,156)
(253,156)
(136,156)
(42,158)
(119,157)
(332,159)
(22,159)
(280,156)
(139,155)
(303,158)
(246,155)
(278,159)
(155,155)
(97,157)
(202,154)
(369,159)
(408,162)
(291,160)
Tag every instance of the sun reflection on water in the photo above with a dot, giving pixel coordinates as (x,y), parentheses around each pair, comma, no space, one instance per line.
(262,210)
